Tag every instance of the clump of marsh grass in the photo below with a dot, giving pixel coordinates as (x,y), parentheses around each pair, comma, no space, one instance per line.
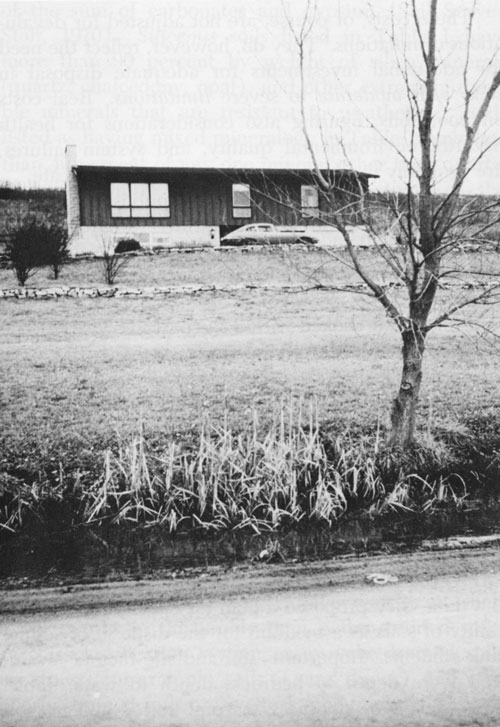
(226,481)
(16,500)
(290,474)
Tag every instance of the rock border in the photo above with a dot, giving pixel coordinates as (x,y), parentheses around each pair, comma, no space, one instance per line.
(163,291)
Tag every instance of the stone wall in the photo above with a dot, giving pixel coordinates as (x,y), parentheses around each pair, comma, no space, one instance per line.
(147,292)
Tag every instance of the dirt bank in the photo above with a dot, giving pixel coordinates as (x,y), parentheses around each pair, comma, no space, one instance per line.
(473,557)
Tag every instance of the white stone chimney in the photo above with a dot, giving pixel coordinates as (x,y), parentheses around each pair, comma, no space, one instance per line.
(72,194)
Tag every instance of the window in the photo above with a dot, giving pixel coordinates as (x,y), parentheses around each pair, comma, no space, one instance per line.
(139,199)
(309,201)
(242,203)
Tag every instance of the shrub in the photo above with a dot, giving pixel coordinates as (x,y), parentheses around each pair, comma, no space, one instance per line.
(22,249)
(127,244)
(55,248)
(32,243)
(112,262)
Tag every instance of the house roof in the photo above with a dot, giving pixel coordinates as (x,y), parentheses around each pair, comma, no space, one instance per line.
(212,170)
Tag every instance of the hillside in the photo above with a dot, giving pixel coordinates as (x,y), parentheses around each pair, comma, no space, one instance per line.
(16,202)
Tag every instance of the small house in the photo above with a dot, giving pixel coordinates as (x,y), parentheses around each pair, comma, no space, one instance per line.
(174,207)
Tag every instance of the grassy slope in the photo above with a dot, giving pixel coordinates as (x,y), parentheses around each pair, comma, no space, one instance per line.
(94,366)
(234,267)
(223,267)
(84,368)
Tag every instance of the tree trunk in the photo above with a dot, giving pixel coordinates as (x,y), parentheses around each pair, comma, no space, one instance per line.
(404,407)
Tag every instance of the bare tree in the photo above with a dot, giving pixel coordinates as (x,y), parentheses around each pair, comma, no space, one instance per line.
(429,226)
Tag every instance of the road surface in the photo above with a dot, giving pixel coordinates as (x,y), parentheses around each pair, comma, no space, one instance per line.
(420,653)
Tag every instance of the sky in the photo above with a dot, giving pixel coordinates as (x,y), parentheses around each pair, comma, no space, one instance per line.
(215,83)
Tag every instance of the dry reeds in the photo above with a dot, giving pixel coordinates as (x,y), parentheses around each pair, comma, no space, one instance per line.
(287,475)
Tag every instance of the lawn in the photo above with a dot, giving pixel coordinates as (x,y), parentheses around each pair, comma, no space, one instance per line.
(204,267)
(86,368)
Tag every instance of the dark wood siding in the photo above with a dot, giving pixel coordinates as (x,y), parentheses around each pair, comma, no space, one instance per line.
(205,197)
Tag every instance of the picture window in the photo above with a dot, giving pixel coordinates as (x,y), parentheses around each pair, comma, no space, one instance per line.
(140,199)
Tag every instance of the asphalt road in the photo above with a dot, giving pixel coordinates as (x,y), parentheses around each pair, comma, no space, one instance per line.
(421,653)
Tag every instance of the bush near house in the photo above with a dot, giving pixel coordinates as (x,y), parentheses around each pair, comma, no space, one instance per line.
(127,244)
(55,247)
(18,208)
(33,242)
(22,249)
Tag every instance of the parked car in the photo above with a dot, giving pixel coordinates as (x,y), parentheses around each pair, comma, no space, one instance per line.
(267,234)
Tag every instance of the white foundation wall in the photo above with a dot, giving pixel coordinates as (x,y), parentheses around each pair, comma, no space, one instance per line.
(92,240)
